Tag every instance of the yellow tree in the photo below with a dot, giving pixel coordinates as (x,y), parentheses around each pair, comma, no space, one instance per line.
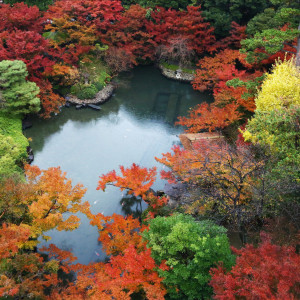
(41,202)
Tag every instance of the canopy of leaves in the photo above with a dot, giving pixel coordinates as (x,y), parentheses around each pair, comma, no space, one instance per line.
(280,88)
(21,17)
(267,42)
(210,117)
(279,131)
(190,249)
(222,12)
(14,144)
(17,95)
(265,272)
(225,182)
(41,202)
(271,18)
(9,154)
(131,36)
(189,25)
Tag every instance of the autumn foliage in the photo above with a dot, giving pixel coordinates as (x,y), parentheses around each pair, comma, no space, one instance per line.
(210,117)
(131,35)
(266,272)
(41,202)
(138,182)
(169,24)
(20,17)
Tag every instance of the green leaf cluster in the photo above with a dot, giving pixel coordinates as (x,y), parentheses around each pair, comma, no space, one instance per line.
(17,95)
(13,145)
(220,13)
(271,18)
(265,30)
(280,130)
(177,4)
(41,4)
(276,122)
(270,40)
(189,249)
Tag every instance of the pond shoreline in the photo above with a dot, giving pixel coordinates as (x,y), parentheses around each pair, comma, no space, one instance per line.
(176,75)
(101,97)
(106,93)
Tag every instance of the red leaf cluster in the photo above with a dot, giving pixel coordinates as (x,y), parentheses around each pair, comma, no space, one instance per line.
(266,272)
(20,17)
(136,179)
(168,24)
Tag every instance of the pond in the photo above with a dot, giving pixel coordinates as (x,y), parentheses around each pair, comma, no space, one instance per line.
(134,126)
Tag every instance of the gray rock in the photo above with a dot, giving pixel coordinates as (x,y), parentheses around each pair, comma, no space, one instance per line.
(93,106)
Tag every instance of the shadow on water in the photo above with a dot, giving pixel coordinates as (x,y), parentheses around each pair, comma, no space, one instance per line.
(131,205)
(134,126)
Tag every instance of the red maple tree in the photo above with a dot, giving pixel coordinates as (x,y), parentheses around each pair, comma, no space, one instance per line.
(169,24)
(266,272)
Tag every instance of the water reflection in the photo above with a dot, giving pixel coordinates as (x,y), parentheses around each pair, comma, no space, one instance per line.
(131,205)
(135,125)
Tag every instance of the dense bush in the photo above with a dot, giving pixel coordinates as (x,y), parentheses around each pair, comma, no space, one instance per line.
(84,91)
(189,249)
(13,145)
(266,272)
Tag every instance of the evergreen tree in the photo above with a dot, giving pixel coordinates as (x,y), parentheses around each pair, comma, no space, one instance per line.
(17,95)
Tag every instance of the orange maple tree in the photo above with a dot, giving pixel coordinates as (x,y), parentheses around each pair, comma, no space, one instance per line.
(41,201)
(138,182)
(225,179)
(210,117)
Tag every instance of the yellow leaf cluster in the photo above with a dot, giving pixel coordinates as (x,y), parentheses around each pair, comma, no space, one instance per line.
(281,88)
(51,196)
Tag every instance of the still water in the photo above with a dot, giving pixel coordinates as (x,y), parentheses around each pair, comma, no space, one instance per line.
(135,125)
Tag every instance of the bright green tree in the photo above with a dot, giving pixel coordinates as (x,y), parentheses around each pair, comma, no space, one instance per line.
(17,95)
(9,154)
(279,130)
(190,249)
(276,122)
(13,145)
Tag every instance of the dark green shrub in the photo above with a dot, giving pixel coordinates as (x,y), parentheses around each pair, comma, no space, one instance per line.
(75,89)
(87,92)
(98,85)
(84,91)
(42,5)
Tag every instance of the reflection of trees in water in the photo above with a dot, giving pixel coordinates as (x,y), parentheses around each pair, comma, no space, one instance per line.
(124,80)
(131,205)
(140,93)
(42,129)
